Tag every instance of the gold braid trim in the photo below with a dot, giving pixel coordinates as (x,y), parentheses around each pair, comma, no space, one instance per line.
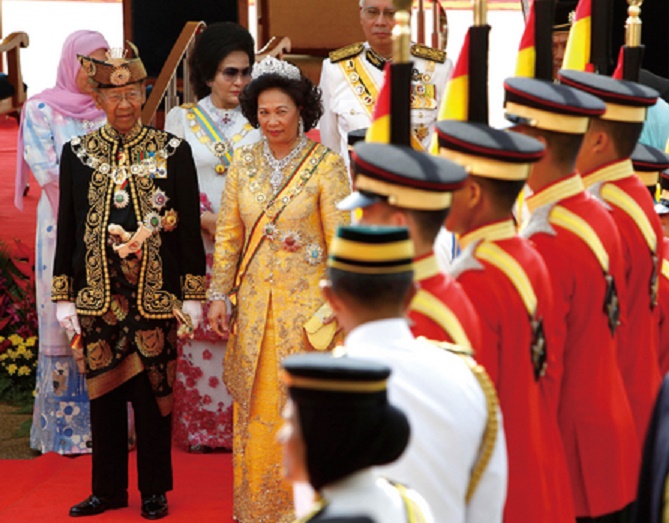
(492,406)
(194,287)
(490,433)
(413,512)
(61,288)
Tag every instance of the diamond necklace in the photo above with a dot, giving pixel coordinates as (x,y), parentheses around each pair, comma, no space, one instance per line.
(277,166)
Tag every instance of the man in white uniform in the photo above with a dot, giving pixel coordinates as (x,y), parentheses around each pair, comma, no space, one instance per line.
(352,76)
(450,401)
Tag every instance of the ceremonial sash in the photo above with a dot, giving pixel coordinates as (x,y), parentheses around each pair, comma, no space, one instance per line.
(360,82)
(211,137)
(572,222)
(427,304)
(615,195)
(506,263)
(282,199)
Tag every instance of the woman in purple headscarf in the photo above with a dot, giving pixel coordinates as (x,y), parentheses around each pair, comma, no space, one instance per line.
(61,420)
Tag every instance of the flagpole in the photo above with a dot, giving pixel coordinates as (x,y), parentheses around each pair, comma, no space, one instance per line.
(633,49)
(478,64)
(544,16)
(400,74)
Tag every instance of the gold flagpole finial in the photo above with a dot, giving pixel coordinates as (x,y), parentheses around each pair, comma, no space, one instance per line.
(480,8)
(633,24)
(402,31)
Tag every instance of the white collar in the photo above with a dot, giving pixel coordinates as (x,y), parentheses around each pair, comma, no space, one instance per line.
(356,482)
(373,331)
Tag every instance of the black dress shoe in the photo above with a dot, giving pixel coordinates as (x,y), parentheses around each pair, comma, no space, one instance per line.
(93,505)
(154,506)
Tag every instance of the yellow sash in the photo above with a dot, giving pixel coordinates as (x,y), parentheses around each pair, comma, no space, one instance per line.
(360,82)
(426,303)
(506,263)
(282,198)
(615,195)
(577,225)
(501,259)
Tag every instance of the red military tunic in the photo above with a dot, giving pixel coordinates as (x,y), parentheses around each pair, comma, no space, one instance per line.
(459,319)
(637,341)
(538,488)
(594,415)
(663,311)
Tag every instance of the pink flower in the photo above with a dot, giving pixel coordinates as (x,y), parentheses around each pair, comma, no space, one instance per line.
(213,382)
(206,399)
(207,355)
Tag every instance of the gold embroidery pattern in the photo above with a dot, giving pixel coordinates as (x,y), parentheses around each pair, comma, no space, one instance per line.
(148,151)
(150,342)
(346,52)
(194,287)
(99,354)
(61,288)
(428,53)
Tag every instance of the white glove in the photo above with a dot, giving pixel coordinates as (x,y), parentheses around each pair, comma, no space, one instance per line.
(66,314)
(194,309)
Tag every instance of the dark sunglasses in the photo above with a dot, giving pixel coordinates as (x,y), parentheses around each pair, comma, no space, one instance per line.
(232,73)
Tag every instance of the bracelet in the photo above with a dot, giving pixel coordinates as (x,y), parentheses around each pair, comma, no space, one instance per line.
(215,296)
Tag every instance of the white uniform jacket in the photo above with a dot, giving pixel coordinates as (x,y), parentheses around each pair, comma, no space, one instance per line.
(350,81)
(447,411)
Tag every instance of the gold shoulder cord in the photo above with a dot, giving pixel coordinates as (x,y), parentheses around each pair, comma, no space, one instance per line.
(413,511)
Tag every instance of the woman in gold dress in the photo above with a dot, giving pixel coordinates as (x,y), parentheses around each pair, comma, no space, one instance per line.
(278,215)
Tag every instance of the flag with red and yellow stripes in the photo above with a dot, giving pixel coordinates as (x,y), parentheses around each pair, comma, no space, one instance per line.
(577,52)
(525,63)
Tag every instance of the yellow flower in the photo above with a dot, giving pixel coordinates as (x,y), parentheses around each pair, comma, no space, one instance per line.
(16,339)
(3,357)
(30,342)
(21,350)
(24,370)
(11,369)
(11,353)
(28,354)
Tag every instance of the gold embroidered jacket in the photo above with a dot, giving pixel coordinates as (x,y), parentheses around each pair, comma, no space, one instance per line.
(290,261)
(146,177)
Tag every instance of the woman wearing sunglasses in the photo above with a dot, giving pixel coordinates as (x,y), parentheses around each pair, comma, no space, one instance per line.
(220,65)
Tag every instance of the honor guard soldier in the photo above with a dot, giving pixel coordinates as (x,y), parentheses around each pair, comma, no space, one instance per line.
(339,424)
(457,454)
(352,76)
(129,257)
(649,164)
(607,172)
(662,210)
(508,283)
(580,244)
(399,186)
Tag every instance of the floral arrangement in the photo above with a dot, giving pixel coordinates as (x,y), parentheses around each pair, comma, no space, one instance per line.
(18,324)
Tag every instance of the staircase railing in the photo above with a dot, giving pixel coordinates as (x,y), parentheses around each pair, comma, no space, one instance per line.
(166,83)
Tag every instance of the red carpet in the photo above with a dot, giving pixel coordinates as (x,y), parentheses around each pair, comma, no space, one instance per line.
(43,489)
(14,224)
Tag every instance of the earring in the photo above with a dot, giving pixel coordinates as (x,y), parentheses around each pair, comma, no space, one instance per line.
(300,127)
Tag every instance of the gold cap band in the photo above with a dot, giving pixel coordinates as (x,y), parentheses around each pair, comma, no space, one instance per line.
(624,113)
(488,167)
(403,196)
(648,178)
(562,123)
(334,386)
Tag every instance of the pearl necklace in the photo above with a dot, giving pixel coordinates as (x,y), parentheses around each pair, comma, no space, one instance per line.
(277,167)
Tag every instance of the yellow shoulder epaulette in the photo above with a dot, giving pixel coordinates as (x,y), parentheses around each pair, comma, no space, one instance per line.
(346,52)
(428,53)
(188,105)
